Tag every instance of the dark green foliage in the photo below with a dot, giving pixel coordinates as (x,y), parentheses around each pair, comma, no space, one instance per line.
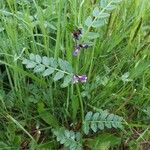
(100,15)
(104,141)
(116,64)
(100,120)
(69,139)
(47,116)
(48,66)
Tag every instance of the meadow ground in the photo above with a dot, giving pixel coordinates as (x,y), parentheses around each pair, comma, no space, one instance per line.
(75,74)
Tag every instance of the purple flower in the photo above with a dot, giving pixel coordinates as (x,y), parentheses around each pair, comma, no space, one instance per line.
(82,78)
(77,50)
(79,47)
(77,78)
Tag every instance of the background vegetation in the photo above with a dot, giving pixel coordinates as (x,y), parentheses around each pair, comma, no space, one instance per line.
(117,65)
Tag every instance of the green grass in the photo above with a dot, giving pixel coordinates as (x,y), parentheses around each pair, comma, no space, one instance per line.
(117,65)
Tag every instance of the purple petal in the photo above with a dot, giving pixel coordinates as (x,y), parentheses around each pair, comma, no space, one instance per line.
(75,79)
(76,52)
(82,78)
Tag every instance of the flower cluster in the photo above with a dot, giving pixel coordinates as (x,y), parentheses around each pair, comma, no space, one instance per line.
(77,48)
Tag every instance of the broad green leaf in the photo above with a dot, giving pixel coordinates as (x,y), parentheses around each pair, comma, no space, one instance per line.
(47,116)
(67,80)
(88,21)
(101,125)
(108,124)
(96,116)
(99,23)
(96,12)
(58,76)
(67,133)
(104,15)
(93,123)
(92,35)
(73,146)
(94,126)
(86,128)
(79,147)
(38,59)
(68,138)
(104,114)
(30,64)
(48,71)
(64,65)
(32,57)
(25,61)
(88,116)
(46,61)
(72,135)
(103,140)
(110,7)
(125,76)
(103,3)
(78,136)
(110,117)
(39,68)
(53,62)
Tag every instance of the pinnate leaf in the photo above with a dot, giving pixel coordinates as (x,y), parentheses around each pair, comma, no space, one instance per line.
(39,68)
(96,12)
(58,76)
(88,21)
(38,59)
(48,71)
(101,120)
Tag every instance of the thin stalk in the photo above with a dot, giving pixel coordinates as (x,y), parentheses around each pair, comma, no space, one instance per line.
(57,47)
(81,102)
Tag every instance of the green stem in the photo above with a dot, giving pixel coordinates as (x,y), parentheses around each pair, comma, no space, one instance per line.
(81,102)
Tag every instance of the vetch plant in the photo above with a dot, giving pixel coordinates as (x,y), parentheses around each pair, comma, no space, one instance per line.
(59,69)
(101,120)
(70,139)
(93,121)
(97,51)
(49,66)
(99,17)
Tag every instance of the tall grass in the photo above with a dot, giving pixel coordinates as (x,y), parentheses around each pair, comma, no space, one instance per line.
(117,66)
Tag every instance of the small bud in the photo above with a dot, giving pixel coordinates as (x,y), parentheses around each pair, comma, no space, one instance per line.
(77,50)
(77,33)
